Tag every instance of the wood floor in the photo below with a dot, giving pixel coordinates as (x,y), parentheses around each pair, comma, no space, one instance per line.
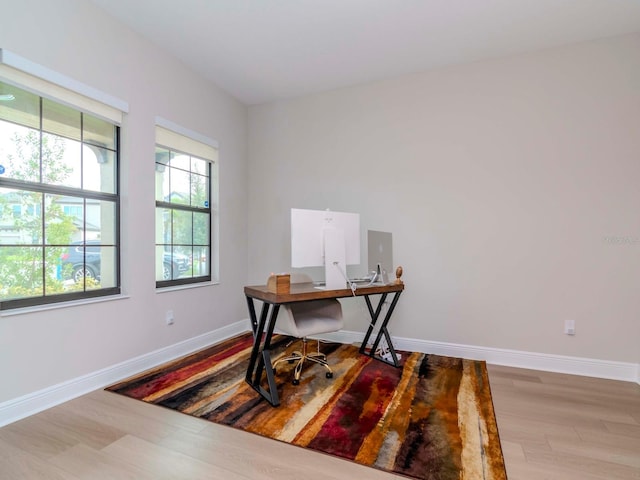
(552,426)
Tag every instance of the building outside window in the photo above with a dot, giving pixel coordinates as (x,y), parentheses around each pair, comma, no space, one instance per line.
(186,186)
(59,200)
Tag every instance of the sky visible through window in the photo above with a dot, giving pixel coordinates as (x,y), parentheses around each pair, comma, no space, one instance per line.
(71,158)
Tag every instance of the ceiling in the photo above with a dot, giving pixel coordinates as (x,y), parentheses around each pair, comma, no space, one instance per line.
(264,50)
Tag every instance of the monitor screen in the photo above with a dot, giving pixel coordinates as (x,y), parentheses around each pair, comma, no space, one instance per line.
(308,236)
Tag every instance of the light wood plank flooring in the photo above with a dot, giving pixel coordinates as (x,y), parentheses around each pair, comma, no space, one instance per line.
(552,426)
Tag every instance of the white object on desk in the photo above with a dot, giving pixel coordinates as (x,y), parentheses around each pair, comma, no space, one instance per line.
(334,258)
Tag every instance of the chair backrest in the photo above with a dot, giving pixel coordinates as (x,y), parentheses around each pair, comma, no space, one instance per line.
(311,318)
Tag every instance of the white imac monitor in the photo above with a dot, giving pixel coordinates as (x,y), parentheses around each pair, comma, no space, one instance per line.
(322,238)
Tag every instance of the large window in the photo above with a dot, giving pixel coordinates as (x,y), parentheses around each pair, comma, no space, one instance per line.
(59,221)
(185,197)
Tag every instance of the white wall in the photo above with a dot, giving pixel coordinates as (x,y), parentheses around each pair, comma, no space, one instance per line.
(501,182)
(76,39)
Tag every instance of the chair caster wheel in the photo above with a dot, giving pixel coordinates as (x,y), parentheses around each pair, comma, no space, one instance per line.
(295,381)
(290,361)
(329,375)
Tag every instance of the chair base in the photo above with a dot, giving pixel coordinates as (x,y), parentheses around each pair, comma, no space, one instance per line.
(300,357)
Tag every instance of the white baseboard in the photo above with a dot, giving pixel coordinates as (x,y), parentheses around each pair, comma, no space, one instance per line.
(628,372)
(15,409)
(21,407)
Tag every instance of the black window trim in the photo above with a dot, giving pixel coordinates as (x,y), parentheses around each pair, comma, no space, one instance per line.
(201,279)
(62,298)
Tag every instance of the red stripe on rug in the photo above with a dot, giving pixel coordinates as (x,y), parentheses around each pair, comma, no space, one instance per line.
(358,411)
(173,376)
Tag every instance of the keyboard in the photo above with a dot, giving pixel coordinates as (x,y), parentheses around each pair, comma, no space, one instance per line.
(357,281)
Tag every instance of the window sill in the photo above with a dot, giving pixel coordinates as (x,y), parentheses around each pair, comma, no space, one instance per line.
(56,306)
(186,287)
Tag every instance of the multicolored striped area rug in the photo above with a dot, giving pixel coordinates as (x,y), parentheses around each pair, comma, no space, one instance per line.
(430,419)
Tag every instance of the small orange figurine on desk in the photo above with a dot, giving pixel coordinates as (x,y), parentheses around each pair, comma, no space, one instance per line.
(398,275)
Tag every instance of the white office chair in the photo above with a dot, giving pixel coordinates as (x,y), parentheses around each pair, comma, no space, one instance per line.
(304,319)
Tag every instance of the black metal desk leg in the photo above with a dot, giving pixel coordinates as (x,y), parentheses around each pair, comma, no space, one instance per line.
(258,328)
(264,362)
(374,318)
(261,354)
(383,331)
(252,315)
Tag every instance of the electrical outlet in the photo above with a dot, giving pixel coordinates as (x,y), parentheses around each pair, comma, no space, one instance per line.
(570,327)
(169,317)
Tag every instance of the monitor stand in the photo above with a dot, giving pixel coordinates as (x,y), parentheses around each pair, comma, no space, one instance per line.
(334,259)
(380,275)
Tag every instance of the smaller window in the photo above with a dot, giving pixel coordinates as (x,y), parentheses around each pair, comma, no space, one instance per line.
(185,179)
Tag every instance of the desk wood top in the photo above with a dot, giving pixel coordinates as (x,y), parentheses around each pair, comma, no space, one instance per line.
(302,292)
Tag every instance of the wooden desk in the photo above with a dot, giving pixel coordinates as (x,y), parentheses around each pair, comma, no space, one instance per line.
(263,327)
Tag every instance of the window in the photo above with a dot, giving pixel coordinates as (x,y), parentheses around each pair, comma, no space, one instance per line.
(58,195)
(73,210)
(186,186)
